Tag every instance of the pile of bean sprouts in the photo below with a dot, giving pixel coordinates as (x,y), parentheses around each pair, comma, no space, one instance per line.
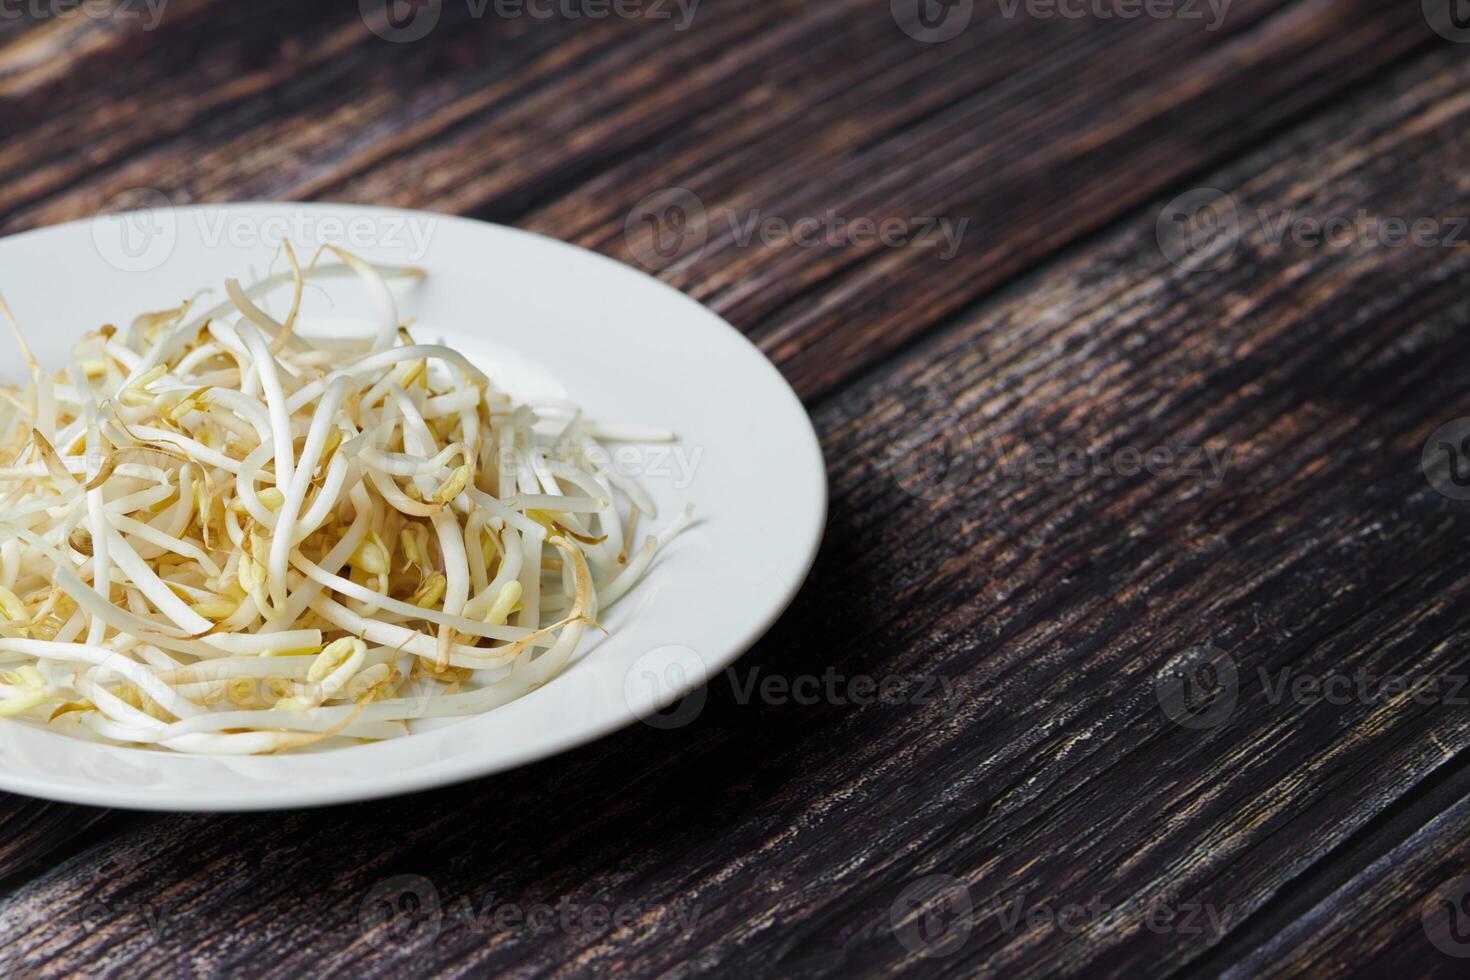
(219,536)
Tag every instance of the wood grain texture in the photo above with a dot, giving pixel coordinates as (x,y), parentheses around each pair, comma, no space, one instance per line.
(34,832)
(1025,614)
(780,109)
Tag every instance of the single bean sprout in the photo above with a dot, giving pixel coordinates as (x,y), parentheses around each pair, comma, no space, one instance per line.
(220,536)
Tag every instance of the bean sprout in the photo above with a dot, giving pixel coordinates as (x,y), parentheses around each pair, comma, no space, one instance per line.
(220,536)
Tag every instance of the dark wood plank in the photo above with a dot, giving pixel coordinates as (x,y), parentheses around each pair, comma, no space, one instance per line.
(1027,156)
(34,832)
(1049,774)
(780,109)
(302,100)
(1378,885)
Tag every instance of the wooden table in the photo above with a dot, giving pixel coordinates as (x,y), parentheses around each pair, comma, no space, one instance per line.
(1117,482)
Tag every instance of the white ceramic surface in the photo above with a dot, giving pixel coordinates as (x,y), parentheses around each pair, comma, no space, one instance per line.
(542,318)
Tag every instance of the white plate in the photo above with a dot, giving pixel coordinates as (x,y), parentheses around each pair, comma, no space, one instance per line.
(541,317)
